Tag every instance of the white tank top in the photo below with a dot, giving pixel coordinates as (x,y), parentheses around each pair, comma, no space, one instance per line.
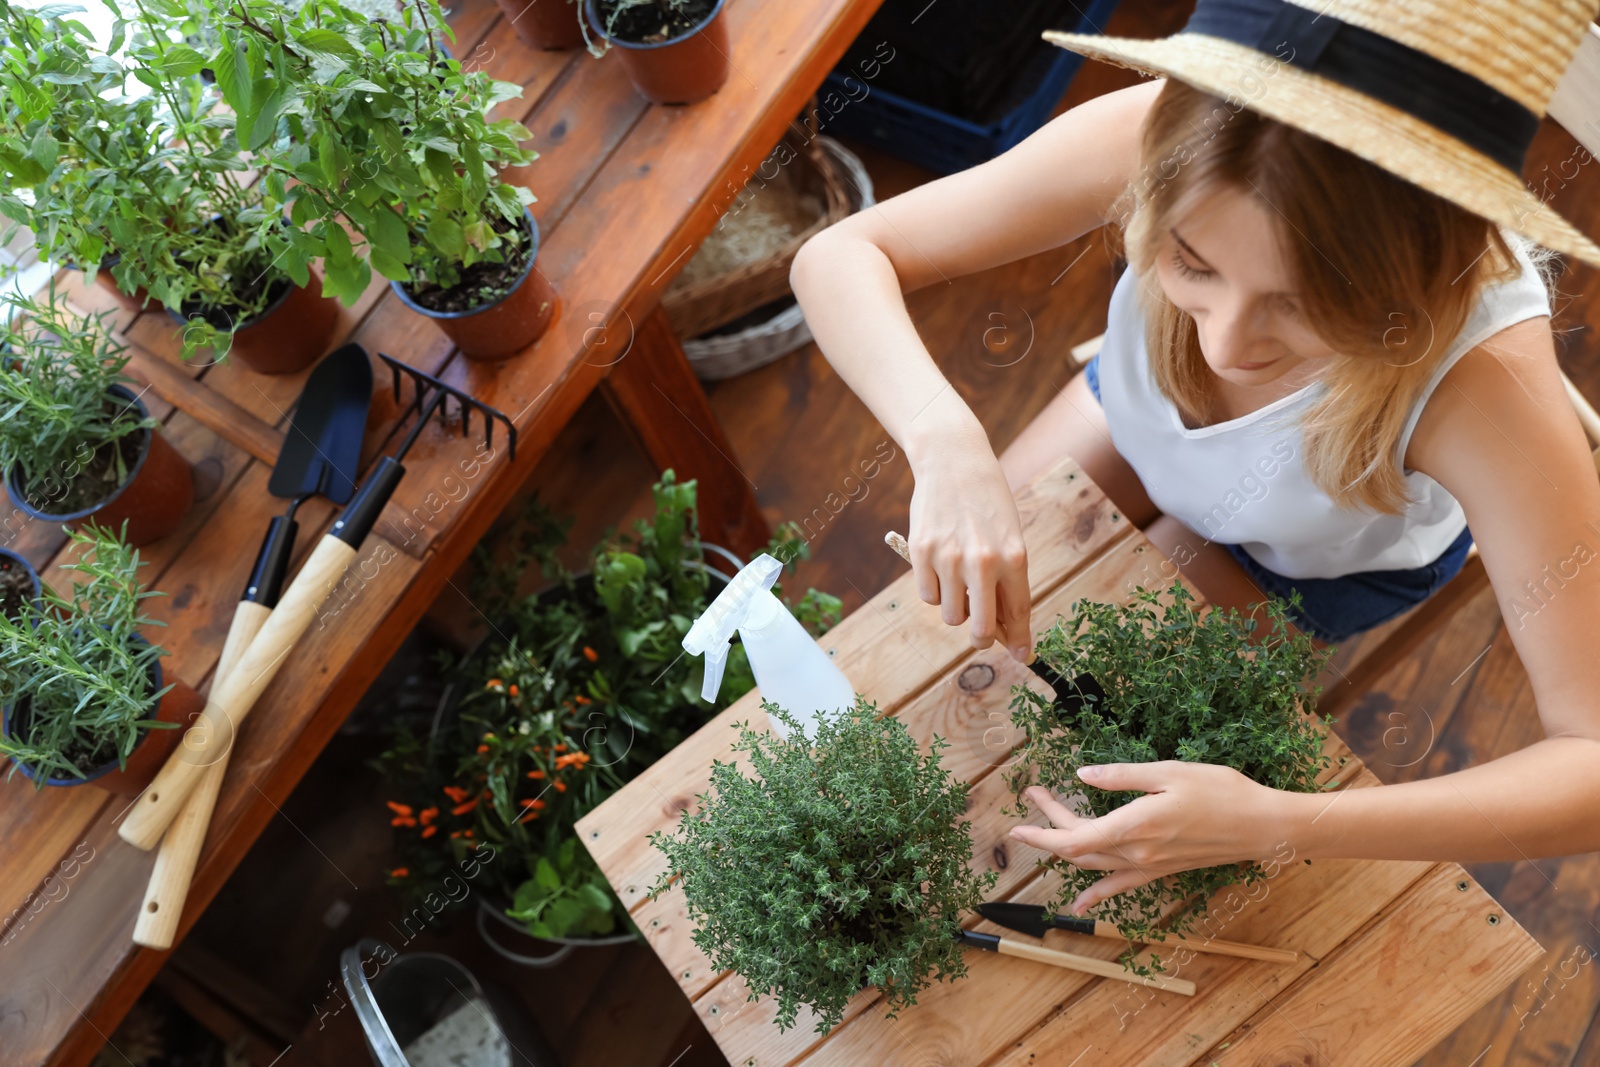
(1242,482)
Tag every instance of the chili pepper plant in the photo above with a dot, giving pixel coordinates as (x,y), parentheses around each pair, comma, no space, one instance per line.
(576,690)
(1176,685)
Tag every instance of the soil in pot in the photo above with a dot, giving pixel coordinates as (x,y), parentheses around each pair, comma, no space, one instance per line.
(497,309)
(153,501)
(17,586)
(655,23)
(672,57)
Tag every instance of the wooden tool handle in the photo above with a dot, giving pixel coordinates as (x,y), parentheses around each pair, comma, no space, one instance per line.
(157,925)
(235,694)
(1090,965)
(1214,946)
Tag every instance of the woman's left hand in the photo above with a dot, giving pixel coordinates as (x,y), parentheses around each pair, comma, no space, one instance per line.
(1193,815)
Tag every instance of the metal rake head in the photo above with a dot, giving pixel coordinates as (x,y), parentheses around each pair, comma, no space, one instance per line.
(433,395)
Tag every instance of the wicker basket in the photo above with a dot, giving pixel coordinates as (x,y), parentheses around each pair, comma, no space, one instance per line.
(724,355)
(694,308)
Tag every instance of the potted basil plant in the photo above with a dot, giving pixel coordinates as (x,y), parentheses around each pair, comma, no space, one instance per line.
(85,698)
(1169,683)
(675,51)
(392,135)
(839,862)
(76,444)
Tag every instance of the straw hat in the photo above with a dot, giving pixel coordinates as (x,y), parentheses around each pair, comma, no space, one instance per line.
(1446,94)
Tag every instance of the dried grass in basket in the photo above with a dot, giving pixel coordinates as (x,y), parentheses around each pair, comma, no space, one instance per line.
(694,307)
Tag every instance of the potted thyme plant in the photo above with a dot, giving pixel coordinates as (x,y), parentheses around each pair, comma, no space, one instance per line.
(76,443)
(675,51)
(1170,684)
(390,133)
(575,690)
(19,582)
(145,179)
(85,696)
(839,863)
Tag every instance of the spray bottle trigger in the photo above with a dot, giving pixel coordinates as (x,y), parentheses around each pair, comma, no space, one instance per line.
(716,661)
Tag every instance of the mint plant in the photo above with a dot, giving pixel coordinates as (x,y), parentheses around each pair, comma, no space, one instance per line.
(75,673)
(377,125)
(838,863)
(67,442)
(1178,685)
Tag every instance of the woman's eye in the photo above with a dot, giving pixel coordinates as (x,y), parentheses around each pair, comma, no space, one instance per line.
(1188,271)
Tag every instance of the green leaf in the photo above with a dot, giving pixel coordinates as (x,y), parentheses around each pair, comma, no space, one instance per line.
(181,61)
(327,42)
(389,267)
(445,235)
(388,234)
(545,875)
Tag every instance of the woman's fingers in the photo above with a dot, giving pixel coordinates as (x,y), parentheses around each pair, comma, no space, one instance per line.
(1014,608)
(952,590)
(979,573)
(922,567)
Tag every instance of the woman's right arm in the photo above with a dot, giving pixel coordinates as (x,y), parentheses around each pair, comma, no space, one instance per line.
(851,280)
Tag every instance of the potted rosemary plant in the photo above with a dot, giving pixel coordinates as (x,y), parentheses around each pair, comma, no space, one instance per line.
(574,691)
(1169,684)
(839,863)
(85,696)
(76,443)
(675,51)
(149,185)
(392,135)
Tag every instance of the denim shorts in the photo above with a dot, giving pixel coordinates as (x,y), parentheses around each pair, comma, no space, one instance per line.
(1335,609)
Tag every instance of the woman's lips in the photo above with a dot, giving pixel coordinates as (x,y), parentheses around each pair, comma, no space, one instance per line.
(1257,366)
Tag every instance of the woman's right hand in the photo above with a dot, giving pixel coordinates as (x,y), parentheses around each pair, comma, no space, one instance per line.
(966,542)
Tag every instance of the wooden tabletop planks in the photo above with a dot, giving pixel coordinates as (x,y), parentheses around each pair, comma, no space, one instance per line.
(625,192)
(1367,931)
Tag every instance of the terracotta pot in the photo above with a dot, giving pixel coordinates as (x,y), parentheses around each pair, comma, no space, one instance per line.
(141,298)
(289,335)
(153,501)
(502,329)
(683,70)
(546,24)
(180,704)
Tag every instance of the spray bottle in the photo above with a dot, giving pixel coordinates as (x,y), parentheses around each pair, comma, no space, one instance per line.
(791,670)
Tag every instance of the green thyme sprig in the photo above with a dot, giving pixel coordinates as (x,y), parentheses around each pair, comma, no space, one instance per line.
(839,863)
(1178,685)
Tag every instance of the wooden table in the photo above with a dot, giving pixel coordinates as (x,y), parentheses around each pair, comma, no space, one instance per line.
(1393,955)
(625,192)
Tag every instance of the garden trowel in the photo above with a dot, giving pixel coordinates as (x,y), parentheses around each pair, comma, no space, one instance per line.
(1033,920)
(320,455)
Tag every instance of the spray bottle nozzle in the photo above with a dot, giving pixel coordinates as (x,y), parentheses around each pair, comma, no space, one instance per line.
(713,630)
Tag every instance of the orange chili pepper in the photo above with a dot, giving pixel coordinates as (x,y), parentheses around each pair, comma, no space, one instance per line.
(512,690)
(482,749)
(427,815)
(493,683)
(401,820)
(561,787)
(462,809)
(456,793)
(581,699)
(559,748)
(398,809)
(535,774)
(574,759)
(399,872)
(467,833)
(429,831)
(590,654)
(533,813)
(532,802)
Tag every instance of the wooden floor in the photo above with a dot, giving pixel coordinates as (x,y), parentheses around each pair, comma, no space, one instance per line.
(314,881)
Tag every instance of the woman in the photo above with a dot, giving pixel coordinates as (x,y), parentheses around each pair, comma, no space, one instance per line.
(1328,369)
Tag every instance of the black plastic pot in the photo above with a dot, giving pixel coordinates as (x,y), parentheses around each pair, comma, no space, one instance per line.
(504,327)
(684,70)
(135,301)
(153,501)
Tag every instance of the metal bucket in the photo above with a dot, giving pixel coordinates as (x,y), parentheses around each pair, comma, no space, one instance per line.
(423,1009)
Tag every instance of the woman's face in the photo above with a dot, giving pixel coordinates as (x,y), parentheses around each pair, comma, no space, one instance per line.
(1221,263)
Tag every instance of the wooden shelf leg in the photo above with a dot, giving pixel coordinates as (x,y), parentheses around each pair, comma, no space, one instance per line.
(657,396)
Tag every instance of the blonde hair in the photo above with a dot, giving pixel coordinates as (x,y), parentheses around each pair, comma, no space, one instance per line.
(1384,268)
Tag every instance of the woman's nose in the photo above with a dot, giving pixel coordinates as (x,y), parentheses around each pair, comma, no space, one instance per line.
(1227,334)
